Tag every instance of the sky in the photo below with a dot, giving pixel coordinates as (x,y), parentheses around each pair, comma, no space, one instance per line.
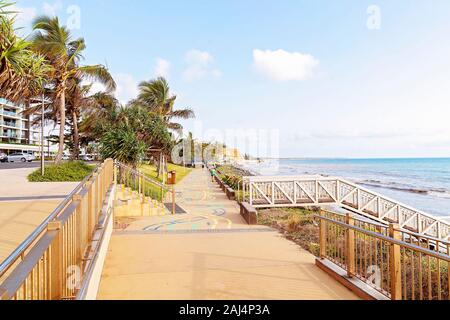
(351,79)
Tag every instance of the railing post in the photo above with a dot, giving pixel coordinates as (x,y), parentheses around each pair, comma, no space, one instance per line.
(90,210)
(395,263)
(350,245)
(95,186)
(323,238)
(173,200)
(55,284)
(115,172)
(79,224)
(140,185)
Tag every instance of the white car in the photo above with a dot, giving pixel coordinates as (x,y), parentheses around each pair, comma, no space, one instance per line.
(87,158)
(21,157)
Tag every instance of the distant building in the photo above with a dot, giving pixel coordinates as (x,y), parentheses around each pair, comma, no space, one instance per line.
(17,132)
(232,155)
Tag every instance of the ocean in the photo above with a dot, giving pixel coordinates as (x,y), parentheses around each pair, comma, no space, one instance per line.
(421,183)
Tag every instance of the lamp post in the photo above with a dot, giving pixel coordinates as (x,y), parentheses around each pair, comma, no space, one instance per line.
(42,135)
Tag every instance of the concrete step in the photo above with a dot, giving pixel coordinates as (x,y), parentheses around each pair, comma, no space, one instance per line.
(138,210)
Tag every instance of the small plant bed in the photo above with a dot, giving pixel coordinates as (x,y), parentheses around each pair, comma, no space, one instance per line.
(65,172)
(232,177)
(152,172)
(296,225)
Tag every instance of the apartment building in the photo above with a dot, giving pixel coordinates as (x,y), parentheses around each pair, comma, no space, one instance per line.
(17,132)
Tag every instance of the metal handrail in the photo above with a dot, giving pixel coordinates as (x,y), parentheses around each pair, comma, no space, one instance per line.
(388,239)
(142,175)
(18,252)
(442,243)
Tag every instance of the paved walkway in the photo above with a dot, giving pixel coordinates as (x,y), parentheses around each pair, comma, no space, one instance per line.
(24,205)
(18,220)
(209,253)
(14,184)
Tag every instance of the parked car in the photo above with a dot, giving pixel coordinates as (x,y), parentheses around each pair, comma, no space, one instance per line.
(21,157)
(87,157)
(3,157)
(66,157)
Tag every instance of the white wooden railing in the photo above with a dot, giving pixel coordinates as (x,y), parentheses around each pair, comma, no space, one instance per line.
(303,191)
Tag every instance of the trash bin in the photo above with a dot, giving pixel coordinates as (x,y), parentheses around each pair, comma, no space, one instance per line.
(172,177)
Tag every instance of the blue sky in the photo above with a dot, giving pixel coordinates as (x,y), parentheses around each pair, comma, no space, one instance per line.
(316,71)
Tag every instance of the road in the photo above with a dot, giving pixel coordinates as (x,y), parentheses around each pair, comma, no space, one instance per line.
(21,165)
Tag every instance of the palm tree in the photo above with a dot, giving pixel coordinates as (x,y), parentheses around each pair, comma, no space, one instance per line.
(64,54)
(78,98)
(98,118)
(155,96)
(22,71)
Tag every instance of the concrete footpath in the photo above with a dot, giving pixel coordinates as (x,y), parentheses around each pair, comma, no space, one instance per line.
(24,205)
(14,184)
(209,253)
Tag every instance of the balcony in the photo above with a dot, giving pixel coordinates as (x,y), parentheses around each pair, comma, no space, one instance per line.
(9,124)
(11,114)
(11,135)
(8,103)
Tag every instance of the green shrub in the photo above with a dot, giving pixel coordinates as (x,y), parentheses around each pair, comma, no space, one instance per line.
(65,172)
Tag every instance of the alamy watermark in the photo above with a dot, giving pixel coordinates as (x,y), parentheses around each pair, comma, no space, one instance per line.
(374,17)
(216,145)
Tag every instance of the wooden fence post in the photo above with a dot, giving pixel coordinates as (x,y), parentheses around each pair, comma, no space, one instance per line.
(350,244)
(395,263)
(55,284)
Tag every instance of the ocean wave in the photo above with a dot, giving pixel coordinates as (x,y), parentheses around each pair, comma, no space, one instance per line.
(437,192)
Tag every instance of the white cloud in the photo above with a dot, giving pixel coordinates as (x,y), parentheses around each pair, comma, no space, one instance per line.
(162,68)
(24,15)
(52,9)
(97,87)
(127,87)
(199,66)
(281,65)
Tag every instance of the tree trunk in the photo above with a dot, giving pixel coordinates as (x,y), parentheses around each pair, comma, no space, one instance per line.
(76,137)
(62,126)
(158,169)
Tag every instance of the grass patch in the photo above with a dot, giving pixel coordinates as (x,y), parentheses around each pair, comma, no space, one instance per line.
(151,171)
(66,172)
(297,225)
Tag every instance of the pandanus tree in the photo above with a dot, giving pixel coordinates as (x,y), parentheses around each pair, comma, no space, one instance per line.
(131,133)
(64,54)
(22,71)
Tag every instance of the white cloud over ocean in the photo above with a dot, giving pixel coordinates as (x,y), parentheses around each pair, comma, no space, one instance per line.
(281,65)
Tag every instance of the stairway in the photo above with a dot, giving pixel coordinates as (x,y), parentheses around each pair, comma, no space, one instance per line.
(129,203)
